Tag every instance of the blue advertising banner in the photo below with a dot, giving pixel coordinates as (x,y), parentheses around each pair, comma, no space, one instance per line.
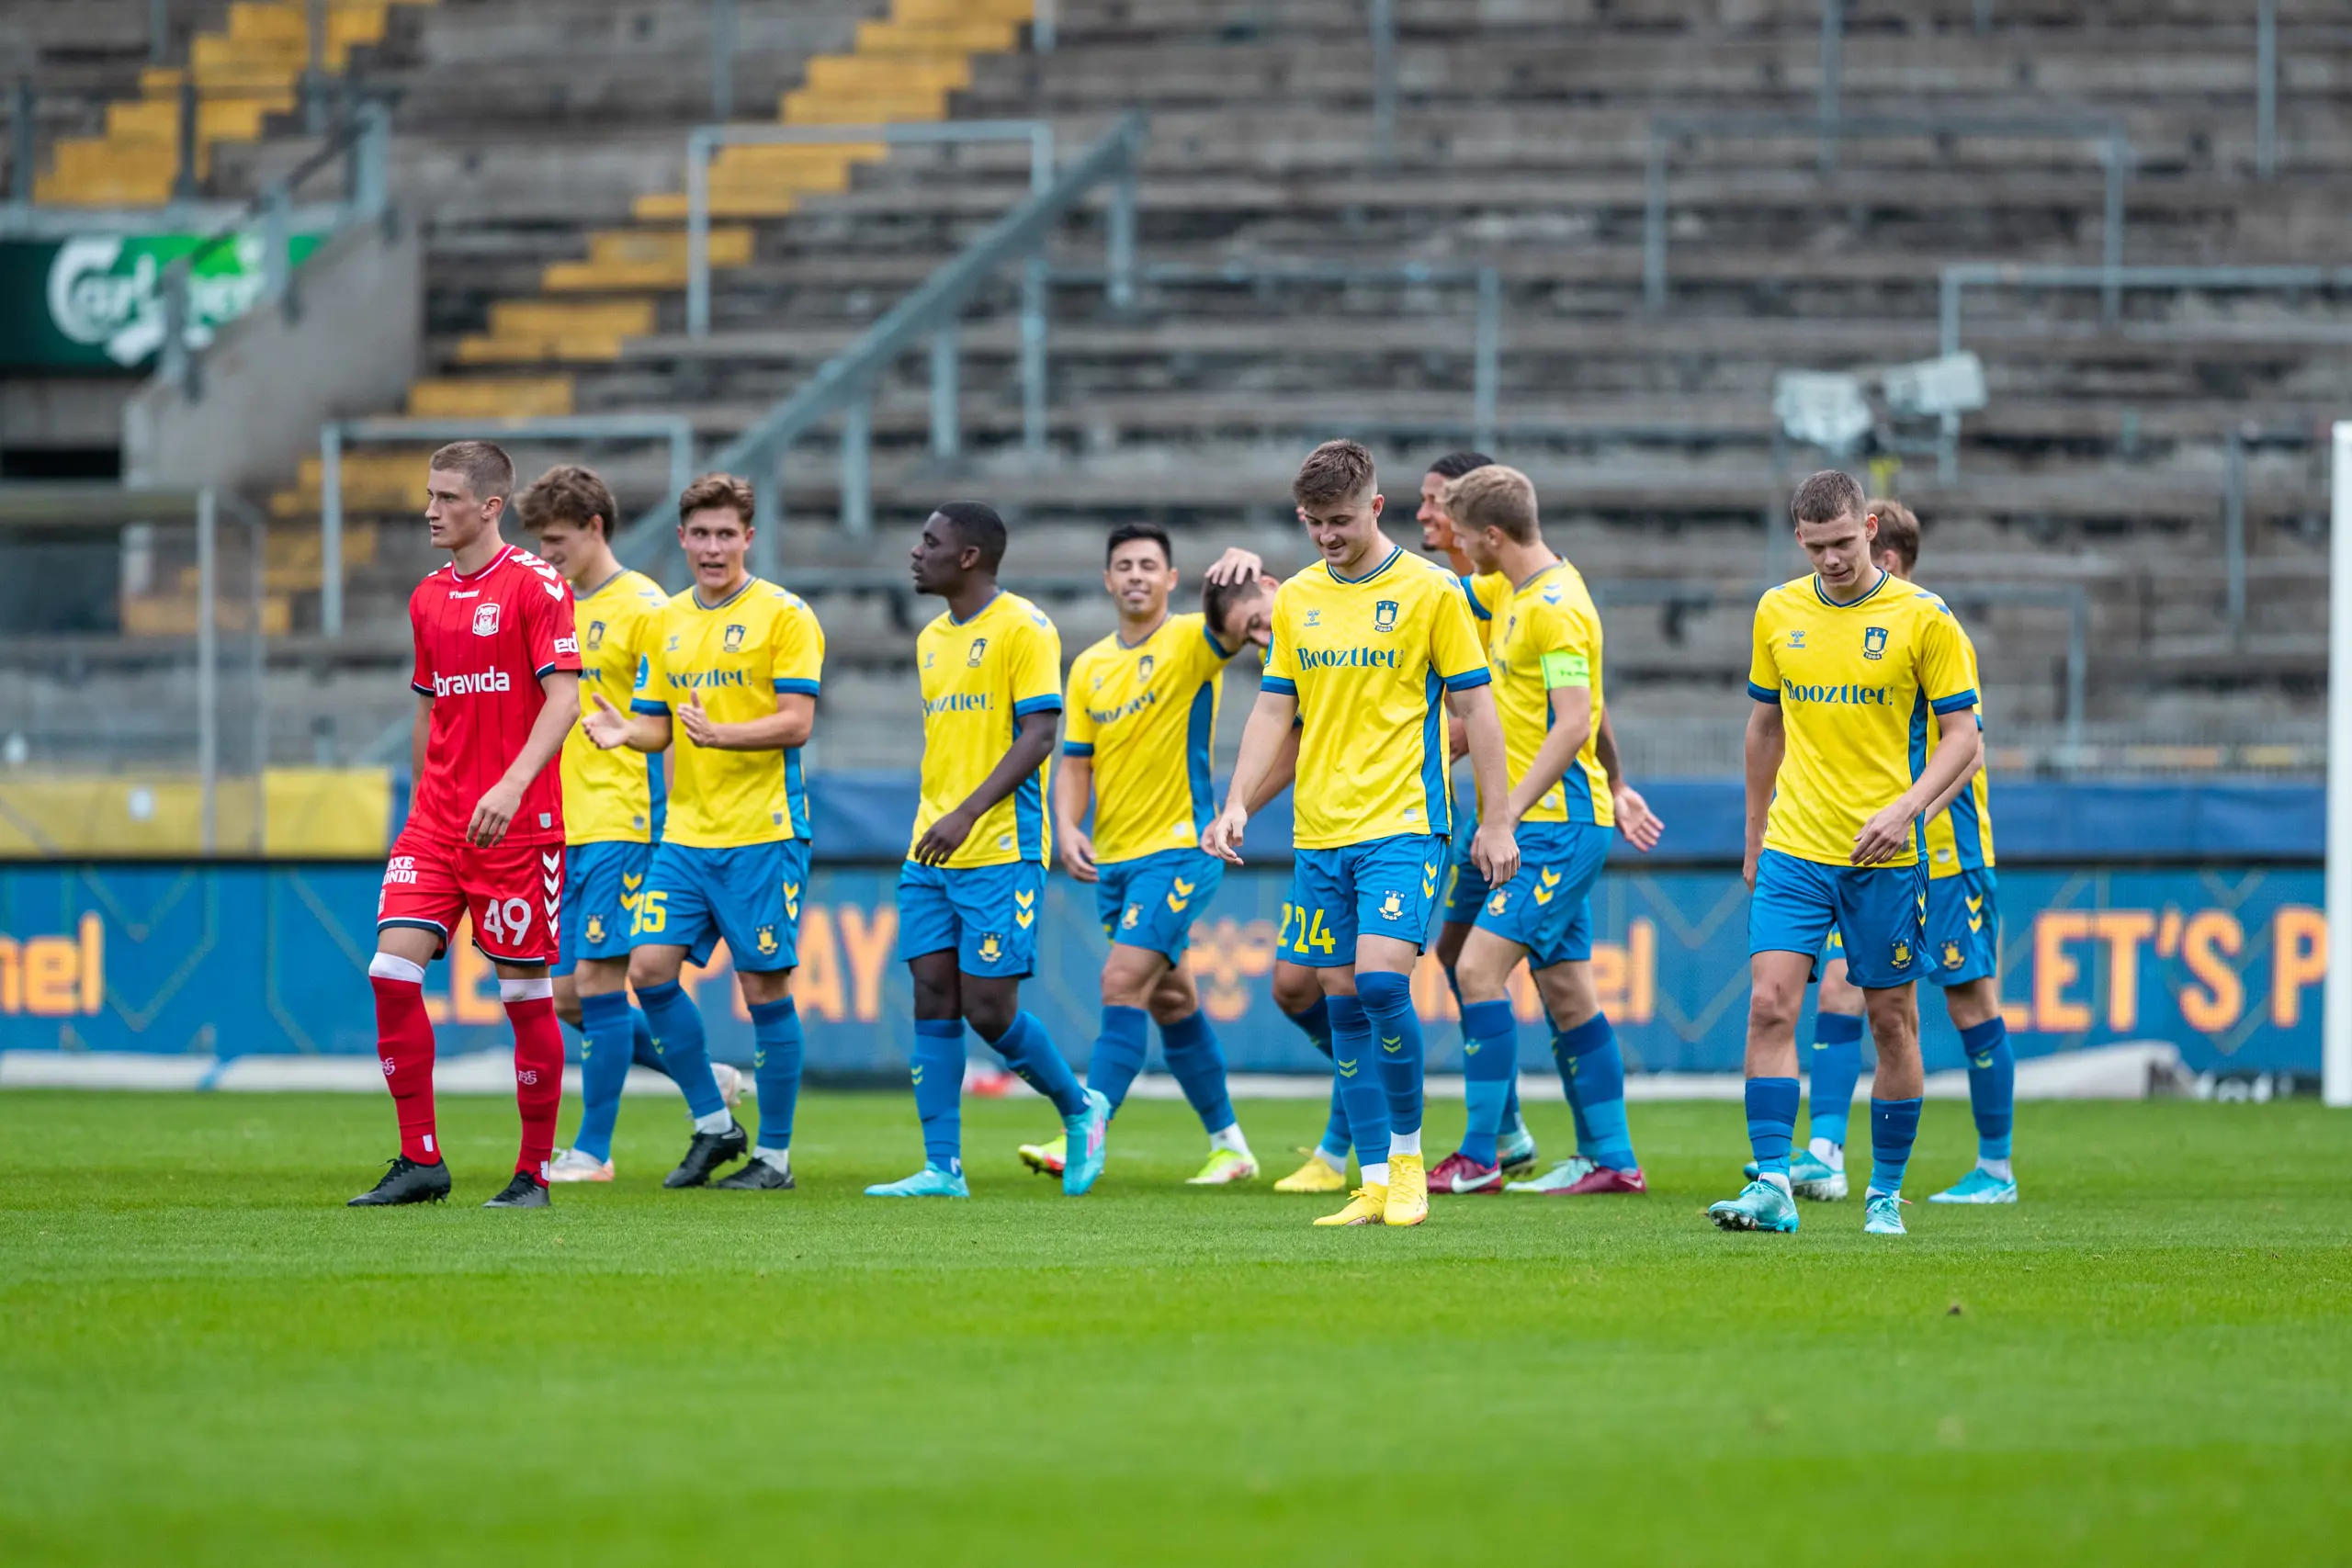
(2226,963)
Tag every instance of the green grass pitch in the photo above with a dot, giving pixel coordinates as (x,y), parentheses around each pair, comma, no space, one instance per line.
(206,1359)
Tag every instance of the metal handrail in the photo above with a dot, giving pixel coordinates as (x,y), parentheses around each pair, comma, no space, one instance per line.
(675,429)
(1666,128)
(844,385)
(705,139)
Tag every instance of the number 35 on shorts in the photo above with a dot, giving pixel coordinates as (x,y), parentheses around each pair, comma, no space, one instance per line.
(1304,931)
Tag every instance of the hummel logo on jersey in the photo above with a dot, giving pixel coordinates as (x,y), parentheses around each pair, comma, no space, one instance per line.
(1796,639)
(486,619)
(1976,902)
(481,684)
(1544,895)
(1176,904)
(1025,898)
(1551,878)
(792,899)
(1873,642)
(1182,886)
(1024,918)
(1314,618)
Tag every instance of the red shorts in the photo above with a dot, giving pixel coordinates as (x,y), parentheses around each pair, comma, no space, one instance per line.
(511,892)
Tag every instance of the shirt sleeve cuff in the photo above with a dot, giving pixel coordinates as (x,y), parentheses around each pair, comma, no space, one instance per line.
(1469,679)
(544,670)
(1078,748)
(1954,702)
(1764,693)
(646,705)
(1281,684)
(419,688)
(1028,705)
(797,686)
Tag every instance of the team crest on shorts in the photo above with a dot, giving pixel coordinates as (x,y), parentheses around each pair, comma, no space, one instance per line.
(992,948)
(1392,908)
(1873,642)
(1384,616)
(1135,913)
(1903,956)
(486,620)
(763,938)
(980,651)
(733,638)
(1496,905)
(1953,960)
(595,928)
(595,636)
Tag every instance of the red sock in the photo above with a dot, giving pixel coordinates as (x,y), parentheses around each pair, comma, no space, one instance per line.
(539,1070)
(404,1046)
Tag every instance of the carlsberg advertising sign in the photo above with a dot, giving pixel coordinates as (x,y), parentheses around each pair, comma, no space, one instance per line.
(96,303)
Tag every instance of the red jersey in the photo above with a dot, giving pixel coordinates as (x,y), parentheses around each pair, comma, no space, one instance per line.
(482,644)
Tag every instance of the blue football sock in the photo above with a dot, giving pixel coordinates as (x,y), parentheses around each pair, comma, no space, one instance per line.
(1894,1127)
(938,1069)
(1772,1122)
(1593,1065)
(1389,1002)
(1564,1058)
(677,1034)
(1359,1081)
(776,1068)
(1029,1052)
(1315,1024)
(1490,1062)
(1198,1063)
(640,1040)
(1513,1121)
(604,1069)
(1118,1054)
(1836,1067)
(1992,1084)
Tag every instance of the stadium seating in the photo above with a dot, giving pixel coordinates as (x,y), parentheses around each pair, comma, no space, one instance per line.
(543,144)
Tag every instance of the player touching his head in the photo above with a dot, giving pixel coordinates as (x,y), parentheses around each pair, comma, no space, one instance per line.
(732,692)
(613,804)
(1963,955)
(497,683)
(1370,645)
(1545,656)
(1849,665)
(1140,742)
(971,892)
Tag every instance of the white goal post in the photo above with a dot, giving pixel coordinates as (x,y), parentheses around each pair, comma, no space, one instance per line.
(2335,1023)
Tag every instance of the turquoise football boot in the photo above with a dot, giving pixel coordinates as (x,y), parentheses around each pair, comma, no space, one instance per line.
(1088,1143)
(1810,1175)
(1883,1214)
(1515,1151)
(930,1181)
(1979,1186)
(1761,1206)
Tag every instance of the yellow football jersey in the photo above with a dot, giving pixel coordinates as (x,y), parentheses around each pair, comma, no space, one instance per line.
(1488,591)
(1960,837)
(736,655)
(1147,715)
(1549,637)
(1369,661)
(981,677)
(612,796)
(1857,686)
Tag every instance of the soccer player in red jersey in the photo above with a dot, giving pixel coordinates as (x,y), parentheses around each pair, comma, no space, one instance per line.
(497,683)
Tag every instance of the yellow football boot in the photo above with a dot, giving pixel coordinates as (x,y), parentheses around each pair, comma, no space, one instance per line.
(1408,1191)
(1314,1177)
(1365,1207)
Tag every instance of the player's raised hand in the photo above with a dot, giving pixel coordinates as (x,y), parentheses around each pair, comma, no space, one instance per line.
(943,837)
(1077,854)
(493,812)
(1494,850)
(1235,565)
(1884,837)
(1642,826)
(1222,837)
(605,724)
(700,727)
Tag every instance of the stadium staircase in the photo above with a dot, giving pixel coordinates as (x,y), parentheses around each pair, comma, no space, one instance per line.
(543,143)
